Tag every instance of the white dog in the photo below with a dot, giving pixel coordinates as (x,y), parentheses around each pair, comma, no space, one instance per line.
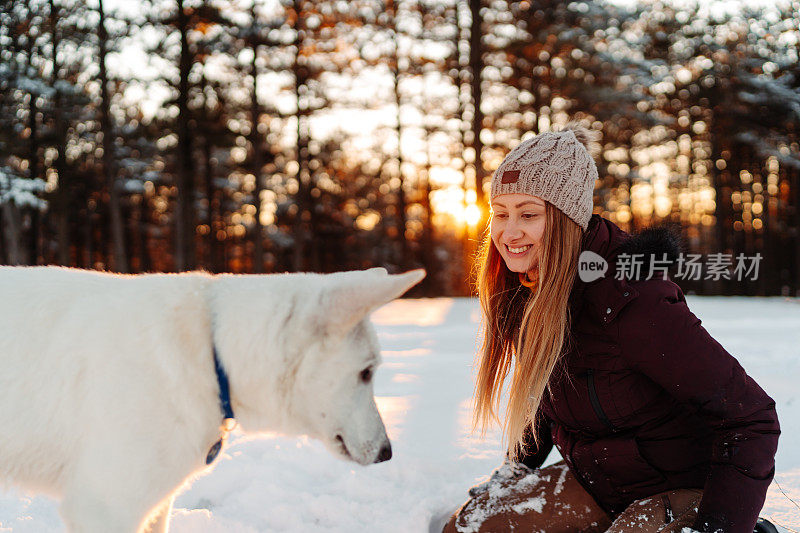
(110,398)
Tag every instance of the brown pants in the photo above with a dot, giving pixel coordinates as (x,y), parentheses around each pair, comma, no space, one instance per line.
(552,500)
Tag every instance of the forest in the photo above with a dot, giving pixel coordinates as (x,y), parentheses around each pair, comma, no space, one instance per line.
(259,136)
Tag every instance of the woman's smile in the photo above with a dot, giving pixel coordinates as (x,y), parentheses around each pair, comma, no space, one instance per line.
(519,250)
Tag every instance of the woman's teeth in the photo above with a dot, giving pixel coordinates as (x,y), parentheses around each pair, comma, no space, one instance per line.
(519,250)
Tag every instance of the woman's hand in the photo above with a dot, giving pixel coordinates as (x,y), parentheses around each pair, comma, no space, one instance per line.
(508,471)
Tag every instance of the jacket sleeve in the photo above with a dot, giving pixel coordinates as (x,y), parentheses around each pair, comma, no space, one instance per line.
(665,341)
(534,456)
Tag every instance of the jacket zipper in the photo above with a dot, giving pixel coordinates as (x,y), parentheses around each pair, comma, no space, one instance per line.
(598,409)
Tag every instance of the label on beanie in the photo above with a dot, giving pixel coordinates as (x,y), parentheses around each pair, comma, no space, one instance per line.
(510,176)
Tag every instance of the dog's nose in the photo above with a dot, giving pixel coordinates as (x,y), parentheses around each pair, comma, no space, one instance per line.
(385,454)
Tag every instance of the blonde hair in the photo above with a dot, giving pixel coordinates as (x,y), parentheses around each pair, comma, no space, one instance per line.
(528,327)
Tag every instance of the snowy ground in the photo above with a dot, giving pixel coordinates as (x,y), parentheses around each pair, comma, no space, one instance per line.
(424,388)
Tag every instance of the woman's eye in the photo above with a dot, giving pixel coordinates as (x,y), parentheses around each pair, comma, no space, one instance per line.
(366,375)
(500,215)
(530,215)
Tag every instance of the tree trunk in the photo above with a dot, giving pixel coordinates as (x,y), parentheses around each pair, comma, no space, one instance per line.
(722,192)
(33,173)
(402,202)
(12,231)
(62,197)
(427,255)
(795,188)
(303,213)
(87,227)
(211,253)
(476,68)
(109,163)
(140,235)
(256,165)
(184,207)
(468,243)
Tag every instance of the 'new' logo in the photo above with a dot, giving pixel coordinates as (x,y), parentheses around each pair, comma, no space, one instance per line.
(591,266)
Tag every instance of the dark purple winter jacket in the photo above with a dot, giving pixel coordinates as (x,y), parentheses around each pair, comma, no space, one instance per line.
(645,400)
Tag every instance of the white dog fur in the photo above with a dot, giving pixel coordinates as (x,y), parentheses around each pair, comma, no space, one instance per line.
(108,394)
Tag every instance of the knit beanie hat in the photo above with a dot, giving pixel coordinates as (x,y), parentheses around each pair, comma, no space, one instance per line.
(555,166)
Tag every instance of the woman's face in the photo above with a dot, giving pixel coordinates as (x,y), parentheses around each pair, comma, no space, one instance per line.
(517,227)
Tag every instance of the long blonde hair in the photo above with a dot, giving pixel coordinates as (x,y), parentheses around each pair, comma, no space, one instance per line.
(527,327)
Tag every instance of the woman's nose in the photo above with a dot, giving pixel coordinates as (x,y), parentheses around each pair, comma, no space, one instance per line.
(513,230)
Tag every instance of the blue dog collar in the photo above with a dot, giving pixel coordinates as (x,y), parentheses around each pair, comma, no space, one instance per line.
(228,420)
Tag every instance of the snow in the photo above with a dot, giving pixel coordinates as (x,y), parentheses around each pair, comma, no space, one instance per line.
(424,387)
(20,190)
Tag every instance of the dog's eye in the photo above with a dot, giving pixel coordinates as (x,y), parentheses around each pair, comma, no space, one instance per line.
(366,375)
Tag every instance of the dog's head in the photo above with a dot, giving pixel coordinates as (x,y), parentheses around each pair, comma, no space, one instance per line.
(335,379)
(334,385)
(301,359)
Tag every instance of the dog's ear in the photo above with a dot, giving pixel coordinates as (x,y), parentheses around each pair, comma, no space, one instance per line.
(360,293)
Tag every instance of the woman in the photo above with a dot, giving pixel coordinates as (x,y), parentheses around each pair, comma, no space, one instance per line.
(659,427)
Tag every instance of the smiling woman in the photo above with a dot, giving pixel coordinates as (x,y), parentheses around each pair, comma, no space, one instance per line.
(660,428)
(517,229)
